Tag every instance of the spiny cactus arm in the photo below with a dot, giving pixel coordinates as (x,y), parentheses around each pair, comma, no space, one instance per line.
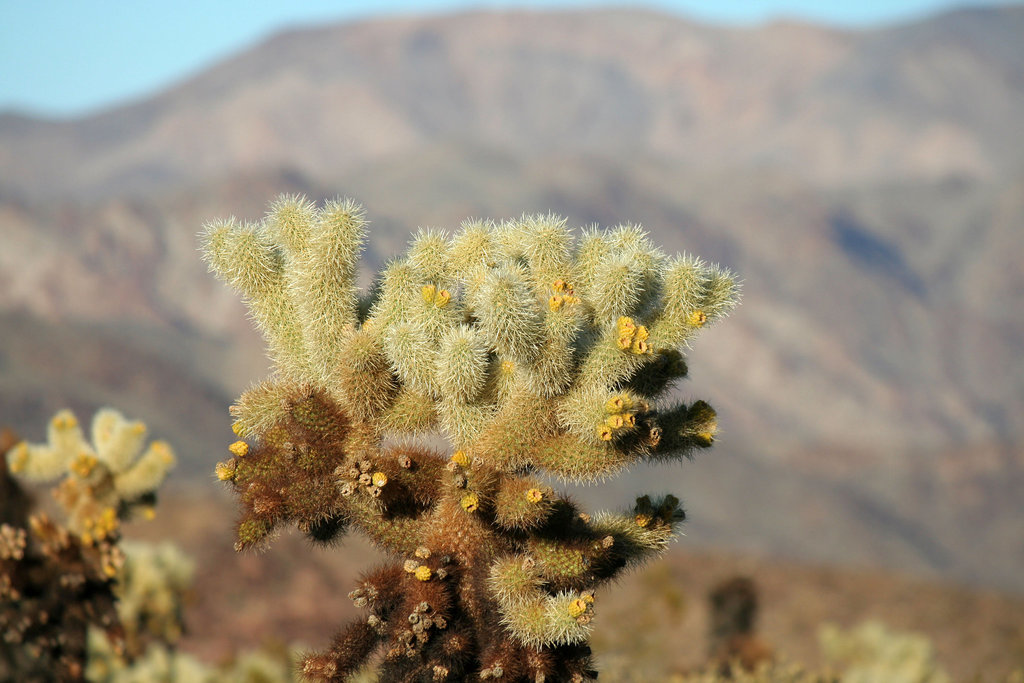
(462,364)
(684,428)
(509,313)
(695,295)
(522,503)
(641,534)
(363,379)
(118,442)
(510,439)
(322,277)
(351,647)
(64,446)
(534,616)
(246,257)
(411,412)
(379,591)
(658,375)
(146,473)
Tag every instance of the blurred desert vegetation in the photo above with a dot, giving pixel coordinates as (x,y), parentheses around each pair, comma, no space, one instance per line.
(868,185)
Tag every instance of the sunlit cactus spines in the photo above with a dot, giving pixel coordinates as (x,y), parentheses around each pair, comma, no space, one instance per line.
(538,356)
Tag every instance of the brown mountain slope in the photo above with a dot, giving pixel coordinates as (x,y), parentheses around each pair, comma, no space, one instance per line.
(825,105)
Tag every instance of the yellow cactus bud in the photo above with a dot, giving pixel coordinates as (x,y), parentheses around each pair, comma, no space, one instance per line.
(559,285)
(423,573)
(470,502)
(442,298)
(630,419)
(163,450)
(589,598)
(640,347)
(626,326)
(535,495)
(618,403)
(429,292)
(508,367)
(225,470)
(380,479)
(624,342)
(64,420)
(237,428)
(697,318)
(555,302)
(615,421)
(644,519)
(578,608)
(641,333)
(19,457)
(83,465)
(461,459)
(239,449)
(87,538)
(604,432)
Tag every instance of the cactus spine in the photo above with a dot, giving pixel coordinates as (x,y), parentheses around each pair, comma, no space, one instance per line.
(533,355)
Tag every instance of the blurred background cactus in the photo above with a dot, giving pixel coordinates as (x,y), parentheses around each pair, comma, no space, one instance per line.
(77,602)
(59,579)
(533,354)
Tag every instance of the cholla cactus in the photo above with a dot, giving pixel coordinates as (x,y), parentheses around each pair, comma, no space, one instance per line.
(533,354)
(57,581)
(873,652)
(108,480)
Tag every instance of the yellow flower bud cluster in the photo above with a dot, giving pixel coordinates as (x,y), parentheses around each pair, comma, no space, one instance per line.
(438,297)
(83,465)
(647,514)
(697,319)
(461,459)
(582,607)
(620,411)
(361,476)
(470,502)
(100,527)
(226,470)
(564,296)
(632,337)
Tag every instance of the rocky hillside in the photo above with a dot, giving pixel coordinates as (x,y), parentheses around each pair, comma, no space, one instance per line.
(869,186)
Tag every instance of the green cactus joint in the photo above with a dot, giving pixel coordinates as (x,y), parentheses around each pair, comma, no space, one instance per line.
(533,353)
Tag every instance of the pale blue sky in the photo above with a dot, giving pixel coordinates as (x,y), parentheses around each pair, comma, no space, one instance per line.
(70,57)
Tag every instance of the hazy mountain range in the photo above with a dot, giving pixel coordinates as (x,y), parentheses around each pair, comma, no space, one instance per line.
(867,185)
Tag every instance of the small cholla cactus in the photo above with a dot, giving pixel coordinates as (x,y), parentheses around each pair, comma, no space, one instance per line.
(533,354)
(57,580)
(108,480)
(873,652)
